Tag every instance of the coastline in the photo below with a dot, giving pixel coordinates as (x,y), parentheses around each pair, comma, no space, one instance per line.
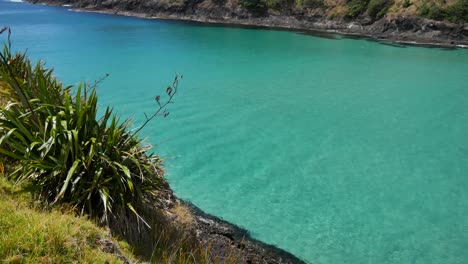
(312,31)
(411,31)
(224,239)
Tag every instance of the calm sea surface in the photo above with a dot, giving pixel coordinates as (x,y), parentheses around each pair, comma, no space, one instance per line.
(337,150)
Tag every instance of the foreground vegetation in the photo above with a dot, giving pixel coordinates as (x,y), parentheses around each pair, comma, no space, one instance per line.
(67,153)
(56,148)
(33,236)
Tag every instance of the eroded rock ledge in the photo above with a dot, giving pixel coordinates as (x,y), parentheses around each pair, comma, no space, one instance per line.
(223,238)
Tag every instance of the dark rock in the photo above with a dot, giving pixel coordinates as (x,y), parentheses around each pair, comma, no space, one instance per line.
(227,240)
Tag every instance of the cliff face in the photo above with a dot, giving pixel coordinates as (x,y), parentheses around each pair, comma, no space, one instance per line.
(424,21)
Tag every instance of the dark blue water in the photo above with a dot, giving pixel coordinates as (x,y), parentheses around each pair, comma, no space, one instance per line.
(337,150)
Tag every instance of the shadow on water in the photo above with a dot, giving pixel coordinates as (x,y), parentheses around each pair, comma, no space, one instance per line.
(312,33)
(429,46)
(392,44)
(328,35)
(399,44)
(319,34)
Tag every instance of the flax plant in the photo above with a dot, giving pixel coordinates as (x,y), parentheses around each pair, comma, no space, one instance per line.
(67,152)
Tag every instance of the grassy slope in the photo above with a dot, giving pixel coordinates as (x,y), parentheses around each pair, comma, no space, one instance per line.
(34,236)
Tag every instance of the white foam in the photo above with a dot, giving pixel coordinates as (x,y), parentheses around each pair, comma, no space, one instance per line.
(15,1)
(67,5)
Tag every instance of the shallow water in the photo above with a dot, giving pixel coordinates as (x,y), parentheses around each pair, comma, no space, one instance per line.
(337,150)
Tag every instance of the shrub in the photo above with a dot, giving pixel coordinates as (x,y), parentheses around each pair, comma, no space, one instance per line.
(257,7)
(280,5)
(406,3)
(378,8)
(356,7)
(311,3)
(69,154)
(375,8)
(458,12)
(273,4)
(432,10)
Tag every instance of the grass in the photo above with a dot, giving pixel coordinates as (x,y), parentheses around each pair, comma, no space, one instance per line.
(31,235)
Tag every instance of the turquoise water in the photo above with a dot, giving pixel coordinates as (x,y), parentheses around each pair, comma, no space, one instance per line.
(337,150)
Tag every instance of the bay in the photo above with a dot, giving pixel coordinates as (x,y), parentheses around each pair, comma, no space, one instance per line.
(337,150)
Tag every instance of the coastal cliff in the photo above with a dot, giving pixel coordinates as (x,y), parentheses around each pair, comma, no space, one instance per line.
(415,21)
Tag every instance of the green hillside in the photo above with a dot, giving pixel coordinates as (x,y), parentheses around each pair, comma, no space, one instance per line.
(448,10)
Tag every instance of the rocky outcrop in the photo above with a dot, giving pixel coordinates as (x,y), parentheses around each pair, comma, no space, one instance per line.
(226,239)
(405,29)
(182,222)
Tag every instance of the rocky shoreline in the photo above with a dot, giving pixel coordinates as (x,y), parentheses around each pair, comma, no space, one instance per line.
(403,30)
(227,239)
(224,239)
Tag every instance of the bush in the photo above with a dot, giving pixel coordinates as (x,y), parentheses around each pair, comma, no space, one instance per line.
(457,13)
(432,10)
(273,4)
(69,154)
(257,7)
(378,8)
(311,3)
(356,7)
(375,8)
(406,3)
(280,5)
